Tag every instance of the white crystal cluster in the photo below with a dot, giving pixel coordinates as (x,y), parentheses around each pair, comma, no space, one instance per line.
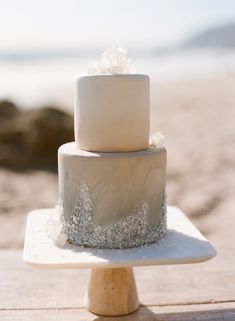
(54,227)
(112,61)
(157,139)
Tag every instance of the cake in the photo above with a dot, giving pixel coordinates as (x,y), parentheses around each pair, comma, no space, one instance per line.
(111,180)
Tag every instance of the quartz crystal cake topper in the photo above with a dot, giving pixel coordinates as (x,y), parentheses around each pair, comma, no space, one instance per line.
(112,61)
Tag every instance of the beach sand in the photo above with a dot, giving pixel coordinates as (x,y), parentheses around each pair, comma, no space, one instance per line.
(197,119)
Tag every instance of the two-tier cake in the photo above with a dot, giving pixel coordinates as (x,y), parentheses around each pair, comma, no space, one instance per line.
(111,181)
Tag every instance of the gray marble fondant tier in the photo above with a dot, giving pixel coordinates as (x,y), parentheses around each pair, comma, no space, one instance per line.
(112,200)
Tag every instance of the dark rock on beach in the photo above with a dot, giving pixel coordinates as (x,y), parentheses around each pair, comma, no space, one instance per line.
(31,138)
(7,109)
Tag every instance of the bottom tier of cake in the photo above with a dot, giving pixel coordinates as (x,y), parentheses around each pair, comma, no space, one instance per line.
(112,200)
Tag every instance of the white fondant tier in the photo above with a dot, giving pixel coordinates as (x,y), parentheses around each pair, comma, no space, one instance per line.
(112,112)
(112,200)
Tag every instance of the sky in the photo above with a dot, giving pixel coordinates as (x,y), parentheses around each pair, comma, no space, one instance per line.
(70,24)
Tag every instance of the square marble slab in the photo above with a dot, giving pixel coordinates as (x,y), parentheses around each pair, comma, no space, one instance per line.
(183,243)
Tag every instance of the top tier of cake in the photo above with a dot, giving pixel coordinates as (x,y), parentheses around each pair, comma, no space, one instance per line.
(112,112)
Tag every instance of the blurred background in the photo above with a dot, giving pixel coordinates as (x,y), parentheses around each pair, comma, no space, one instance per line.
(188,49)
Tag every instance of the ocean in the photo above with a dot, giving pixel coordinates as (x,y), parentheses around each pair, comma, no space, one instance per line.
(43,80)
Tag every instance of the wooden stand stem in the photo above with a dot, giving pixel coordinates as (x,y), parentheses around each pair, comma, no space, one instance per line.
(112,291)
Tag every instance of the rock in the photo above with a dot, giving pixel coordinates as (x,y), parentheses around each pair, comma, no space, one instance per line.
(7,109)
(31,138)
(46,130)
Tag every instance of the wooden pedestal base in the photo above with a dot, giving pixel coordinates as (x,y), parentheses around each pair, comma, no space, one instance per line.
(112,292)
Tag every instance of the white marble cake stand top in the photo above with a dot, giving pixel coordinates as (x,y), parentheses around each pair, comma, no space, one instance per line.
(183,243)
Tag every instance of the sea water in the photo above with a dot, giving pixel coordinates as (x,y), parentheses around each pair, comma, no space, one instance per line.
(44,80)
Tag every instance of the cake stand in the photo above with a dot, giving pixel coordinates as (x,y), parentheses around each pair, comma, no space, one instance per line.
(112,289)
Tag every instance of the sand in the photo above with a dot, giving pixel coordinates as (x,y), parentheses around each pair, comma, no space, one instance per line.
(197,119)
